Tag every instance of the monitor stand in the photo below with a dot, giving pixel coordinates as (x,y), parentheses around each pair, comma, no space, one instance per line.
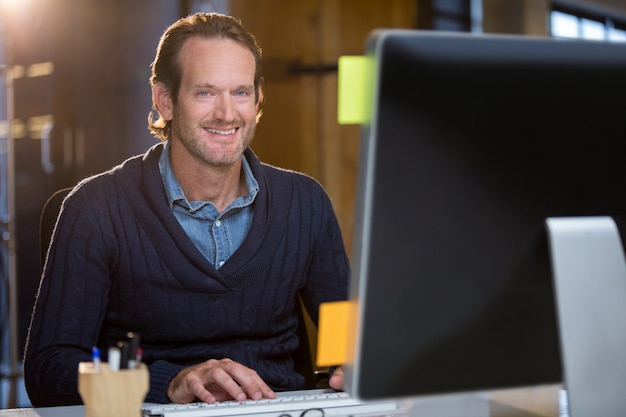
(589,273)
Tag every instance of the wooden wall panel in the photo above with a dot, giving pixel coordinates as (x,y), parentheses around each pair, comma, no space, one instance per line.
(344,29)
(302,41)
(286,30)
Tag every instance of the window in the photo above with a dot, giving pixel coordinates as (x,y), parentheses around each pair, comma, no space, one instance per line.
(568,22)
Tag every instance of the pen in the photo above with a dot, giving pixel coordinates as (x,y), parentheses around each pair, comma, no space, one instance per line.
(133,339)
(114,359)
(95,357)
(124,348)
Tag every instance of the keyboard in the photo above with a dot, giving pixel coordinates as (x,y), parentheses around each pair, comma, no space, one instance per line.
(305,403)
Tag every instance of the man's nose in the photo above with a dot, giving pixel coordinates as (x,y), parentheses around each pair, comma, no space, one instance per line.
(224,107)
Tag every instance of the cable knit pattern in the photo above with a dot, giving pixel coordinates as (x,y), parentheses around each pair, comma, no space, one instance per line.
(119,261)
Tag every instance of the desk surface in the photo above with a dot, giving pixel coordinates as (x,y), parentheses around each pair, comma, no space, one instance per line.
(523,402)
(66,411)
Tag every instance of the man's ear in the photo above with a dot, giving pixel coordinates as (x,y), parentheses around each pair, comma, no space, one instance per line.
(259,97)
(162,99)
(259,111)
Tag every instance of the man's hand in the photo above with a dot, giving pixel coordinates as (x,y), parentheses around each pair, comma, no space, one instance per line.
(217,380)
(336,379)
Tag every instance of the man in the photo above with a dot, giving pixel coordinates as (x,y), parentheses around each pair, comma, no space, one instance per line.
(196,245)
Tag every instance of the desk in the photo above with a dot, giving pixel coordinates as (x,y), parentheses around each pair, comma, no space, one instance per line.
(523,402)
(65,411)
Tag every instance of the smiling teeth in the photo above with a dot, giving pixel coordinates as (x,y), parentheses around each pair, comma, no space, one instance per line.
(222,132)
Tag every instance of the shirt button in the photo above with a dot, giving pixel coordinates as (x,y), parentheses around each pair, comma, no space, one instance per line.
(222,263)
(218,223)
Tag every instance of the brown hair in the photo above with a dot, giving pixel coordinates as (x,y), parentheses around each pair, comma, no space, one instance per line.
(166,68)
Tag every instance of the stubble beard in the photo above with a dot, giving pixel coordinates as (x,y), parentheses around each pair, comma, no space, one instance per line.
(200,150)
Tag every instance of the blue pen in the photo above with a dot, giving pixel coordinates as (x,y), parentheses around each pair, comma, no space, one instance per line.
(95,356)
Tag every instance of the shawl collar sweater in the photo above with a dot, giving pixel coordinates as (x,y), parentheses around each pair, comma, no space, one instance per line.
(119,261)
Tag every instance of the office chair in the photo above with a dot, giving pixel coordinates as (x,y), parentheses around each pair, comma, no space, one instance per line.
(304,362)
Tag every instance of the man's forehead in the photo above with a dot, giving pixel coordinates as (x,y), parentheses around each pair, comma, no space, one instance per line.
(216,51)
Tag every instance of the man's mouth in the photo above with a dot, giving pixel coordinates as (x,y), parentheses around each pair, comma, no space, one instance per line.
(222,132)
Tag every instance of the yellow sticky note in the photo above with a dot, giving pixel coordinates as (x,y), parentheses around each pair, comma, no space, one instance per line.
(353,90)
(332,334)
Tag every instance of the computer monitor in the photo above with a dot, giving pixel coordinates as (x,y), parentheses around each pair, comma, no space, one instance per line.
(472,142)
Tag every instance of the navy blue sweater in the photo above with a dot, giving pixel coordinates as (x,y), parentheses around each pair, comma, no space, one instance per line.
(119,261)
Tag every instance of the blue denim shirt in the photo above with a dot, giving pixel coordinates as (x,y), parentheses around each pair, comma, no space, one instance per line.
(216,235)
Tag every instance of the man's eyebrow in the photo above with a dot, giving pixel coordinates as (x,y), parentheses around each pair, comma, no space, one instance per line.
(213,87)
(245,87)
(204,85)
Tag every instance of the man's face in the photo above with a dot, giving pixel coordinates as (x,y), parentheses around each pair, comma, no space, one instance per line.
(214,116)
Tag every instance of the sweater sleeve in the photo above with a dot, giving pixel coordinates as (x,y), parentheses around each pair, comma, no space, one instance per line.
(329,269)
(71,306)
(69,309)
(161,373)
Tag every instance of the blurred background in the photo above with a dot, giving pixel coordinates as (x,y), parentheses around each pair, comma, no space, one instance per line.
(74,99)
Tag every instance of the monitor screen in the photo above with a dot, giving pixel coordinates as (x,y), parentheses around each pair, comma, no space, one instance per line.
(472,142)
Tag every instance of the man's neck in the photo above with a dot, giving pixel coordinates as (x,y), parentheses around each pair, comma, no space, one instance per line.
(202,182)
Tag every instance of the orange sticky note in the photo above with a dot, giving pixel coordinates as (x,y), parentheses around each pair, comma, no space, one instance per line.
(332,333)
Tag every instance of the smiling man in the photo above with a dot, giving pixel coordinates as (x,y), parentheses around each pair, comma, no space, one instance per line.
(196,245)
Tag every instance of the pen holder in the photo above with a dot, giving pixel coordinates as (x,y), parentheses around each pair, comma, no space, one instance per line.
(107,393)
